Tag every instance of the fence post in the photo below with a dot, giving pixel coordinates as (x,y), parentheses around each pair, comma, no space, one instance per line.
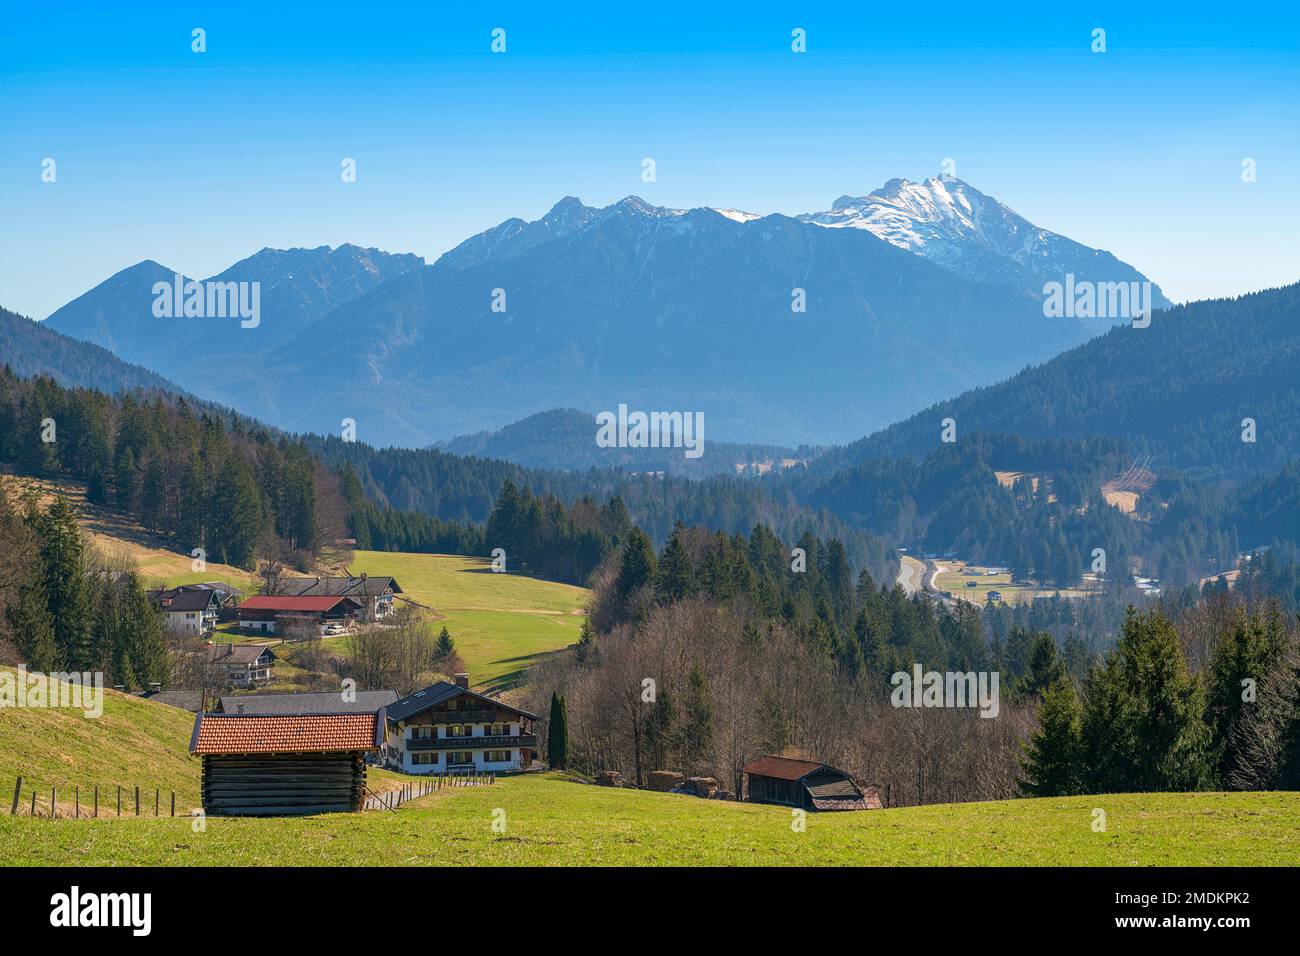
(54,802)
(137,799)
(18,789)
(33,801)
(96,801)
(76,814)
(173,803)
(156,795)
(119,799)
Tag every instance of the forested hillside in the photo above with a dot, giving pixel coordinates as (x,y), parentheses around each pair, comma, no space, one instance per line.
(749,652)
(236,492)
(33,348)
(449,488)
(1178,390)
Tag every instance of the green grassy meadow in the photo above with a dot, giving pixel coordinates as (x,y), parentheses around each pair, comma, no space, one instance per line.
(551,820)
(501,623)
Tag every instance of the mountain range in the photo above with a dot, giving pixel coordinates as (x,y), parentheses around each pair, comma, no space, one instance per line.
(911,294)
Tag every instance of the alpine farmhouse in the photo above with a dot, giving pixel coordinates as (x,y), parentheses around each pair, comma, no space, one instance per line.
(448,728)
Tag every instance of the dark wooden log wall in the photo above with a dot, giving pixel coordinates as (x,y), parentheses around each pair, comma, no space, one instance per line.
(283,784)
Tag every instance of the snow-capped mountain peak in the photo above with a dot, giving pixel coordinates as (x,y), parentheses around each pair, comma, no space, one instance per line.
(952,223)
(736,215)
(910,215)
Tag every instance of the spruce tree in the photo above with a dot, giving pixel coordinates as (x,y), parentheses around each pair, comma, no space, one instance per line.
(67,588)
(1053,761)
(28,621)
(636,571)
(146,640)
(445,647)
(1143,724)
(676,578)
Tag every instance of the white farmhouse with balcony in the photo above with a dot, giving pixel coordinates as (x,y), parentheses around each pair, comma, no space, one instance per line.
(448,728)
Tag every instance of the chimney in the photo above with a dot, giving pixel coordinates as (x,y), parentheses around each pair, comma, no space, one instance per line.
(461,680)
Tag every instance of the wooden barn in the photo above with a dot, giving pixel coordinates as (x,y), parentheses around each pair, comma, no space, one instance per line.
(805,784)
(278,765)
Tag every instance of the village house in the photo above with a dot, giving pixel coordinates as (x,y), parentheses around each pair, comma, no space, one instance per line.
(246,665)
(448,728)
(269,613)
(269,765)
(189,611)
(805,785)
(373,594)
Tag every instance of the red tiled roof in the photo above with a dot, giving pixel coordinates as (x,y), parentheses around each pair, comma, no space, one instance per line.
(784,768)
(253,734)
(277,602)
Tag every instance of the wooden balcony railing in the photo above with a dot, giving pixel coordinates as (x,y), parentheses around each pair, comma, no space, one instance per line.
(471,743)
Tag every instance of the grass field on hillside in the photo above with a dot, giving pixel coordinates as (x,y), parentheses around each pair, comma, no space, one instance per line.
(134,743)
(551,820)
(500,622)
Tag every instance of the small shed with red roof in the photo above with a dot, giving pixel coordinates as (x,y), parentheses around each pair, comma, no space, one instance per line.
(804,784)
(274,765)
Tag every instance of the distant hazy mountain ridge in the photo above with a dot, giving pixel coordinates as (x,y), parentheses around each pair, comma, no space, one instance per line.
(776,329)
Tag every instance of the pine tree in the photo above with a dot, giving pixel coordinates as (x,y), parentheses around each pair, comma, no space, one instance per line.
(586,648)
(444,648)
(676,578)
(237,514)
(1044,667)
(1053,762)
(146,637)
(27,619)
(1251,700)
(636,571)
(1143,725)
(67,587)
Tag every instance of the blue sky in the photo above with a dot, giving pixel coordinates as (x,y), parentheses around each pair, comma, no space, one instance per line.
(197,160)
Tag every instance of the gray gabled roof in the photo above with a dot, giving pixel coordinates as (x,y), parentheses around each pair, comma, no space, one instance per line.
(185,599)
(239,653)
(190,700)
(436,694)
(292,705)
(339,586)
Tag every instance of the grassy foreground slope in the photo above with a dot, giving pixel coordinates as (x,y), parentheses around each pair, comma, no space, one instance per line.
(554,821)
(133,743)
(501,622)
